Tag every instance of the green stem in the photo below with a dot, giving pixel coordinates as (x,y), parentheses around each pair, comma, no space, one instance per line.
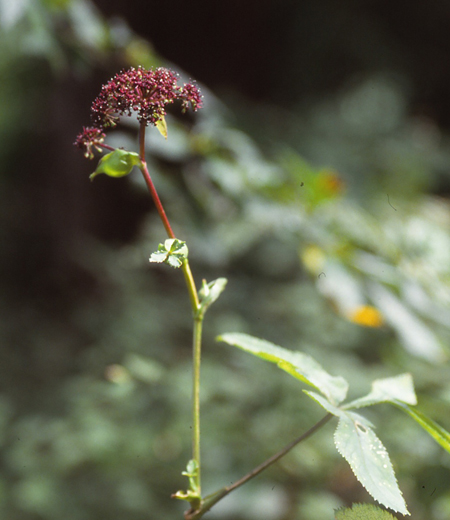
(212,499)
(197,351)
(193,296)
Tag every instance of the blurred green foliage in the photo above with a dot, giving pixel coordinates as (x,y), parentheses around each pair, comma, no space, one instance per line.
(319,218)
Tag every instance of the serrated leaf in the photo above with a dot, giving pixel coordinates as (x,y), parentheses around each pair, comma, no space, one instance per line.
(439,434)
(116,164)
(173,252)
(299,365)
(209,293)
(391,389)
(369,460)
(363,512)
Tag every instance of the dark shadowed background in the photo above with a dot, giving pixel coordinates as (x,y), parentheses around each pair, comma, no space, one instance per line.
(323,147)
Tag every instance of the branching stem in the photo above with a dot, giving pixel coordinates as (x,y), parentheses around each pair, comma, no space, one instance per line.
(195,513)
(212,499)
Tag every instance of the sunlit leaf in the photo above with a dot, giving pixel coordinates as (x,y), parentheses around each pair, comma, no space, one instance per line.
(325,403)
(356,441)
(439,434)
(369,460)
(116,164)
(161,125)
(173,252)
(299,365)
(392,389)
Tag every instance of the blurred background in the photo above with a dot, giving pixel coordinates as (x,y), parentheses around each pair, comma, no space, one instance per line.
(316,179)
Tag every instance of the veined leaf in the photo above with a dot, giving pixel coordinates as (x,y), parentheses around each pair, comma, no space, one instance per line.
(439,434)
(369,460)
(391,389)
(363,512)
(356,441)
(299,365)
(399,391)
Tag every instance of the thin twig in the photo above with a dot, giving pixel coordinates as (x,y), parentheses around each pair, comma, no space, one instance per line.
(212,499)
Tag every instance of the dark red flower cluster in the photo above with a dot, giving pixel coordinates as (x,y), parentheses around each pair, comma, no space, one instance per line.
(146,92)
(90,138)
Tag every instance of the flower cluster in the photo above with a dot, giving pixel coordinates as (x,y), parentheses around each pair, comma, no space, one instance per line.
(89,138)
(146,92)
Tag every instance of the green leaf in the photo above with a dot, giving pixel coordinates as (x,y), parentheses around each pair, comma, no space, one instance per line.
(161,125)
(392,389)
(356,441)
(299,365)
(329,407)
(192,473)
(369,460)
(338,412)
(192,495)
(363,512)
(117,164)
(173,252)
(209,293)
(439,434)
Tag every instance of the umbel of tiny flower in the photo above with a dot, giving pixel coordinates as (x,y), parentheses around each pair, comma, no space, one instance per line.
(88,139)
(145,92)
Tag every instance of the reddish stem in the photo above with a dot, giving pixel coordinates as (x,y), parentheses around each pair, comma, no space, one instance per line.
(103,145)
(150,185)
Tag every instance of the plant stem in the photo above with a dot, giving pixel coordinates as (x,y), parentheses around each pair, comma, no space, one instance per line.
(150,185)
(197,352)
(212,499)
(193,296)
(107,147)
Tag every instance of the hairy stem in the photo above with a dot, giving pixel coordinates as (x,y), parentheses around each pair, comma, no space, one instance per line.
(212,499)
